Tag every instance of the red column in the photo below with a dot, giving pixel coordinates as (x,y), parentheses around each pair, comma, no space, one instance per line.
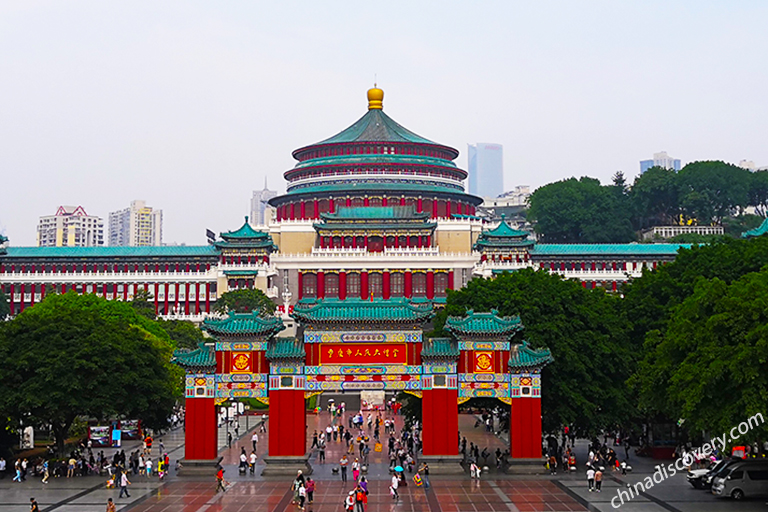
(207,299)
(402,200)
(407,284)
(197,298)
(525,428)
(429,241)
(322,242)
(364,284)
(176,298)
(32,294)
(418,241)
(434,208)
(385,285)
(384,201)
(167,292)
(42,292)
(440,417)
(349,202)
(430,284)
(317,209)
(303,209)
(366,201)
(419,205)
(365,242)
(21,302)
(331,206)
(186,299)
(200,435)
(450,279)
(125,292)
(320,284)
(448,208)
(11,300)
(342,285)
(300,282)
(135,289)
(287,435)
(157,292)
(397,241)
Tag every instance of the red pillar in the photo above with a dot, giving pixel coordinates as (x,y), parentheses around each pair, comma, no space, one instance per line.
(385,285)
(301,284)
(303,210)
(200,435)
(434,208)
(316,205)
(322,242)
(331,206)
(176,297)
(450,279)
(207,299)
(440,417)
(525,428)
(157,292)
(429,241)
(197,298)
(365,242)
(342,285)
(11,300)
(167,291)
(32,294)
(384,201)
(448,208)
(320,284)
(366,201)
(430,284)
(419,205)
(287,421)
(125,292)
(402,200)
(407,284)
(42,291)
(364,284)
(186,299)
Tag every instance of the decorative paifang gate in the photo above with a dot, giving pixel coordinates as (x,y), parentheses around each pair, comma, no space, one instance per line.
(354,344)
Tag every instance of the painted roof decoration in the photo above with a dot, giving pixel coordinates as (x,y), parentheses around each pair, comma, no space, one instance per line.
(246,236)
(503,235)
(286,348)
(169,251)
(761,230)
(632,249)
(524,358)
(440,348)
(390,217)
(203,358)
(242,324)
(393,310)
(483,324)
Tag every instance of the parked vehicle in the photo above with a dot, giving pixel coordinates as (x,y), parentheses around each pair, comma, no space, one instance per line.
(744,478)
(702,478)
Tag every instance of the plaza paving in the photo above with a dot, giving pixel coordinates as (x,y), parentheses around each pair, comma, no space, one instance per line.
(495,492)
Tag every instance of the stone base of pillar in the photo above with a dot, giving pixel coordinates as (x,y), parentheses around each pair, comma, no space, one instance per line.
(199,467)
(286,465)
(443,464)
(526,467)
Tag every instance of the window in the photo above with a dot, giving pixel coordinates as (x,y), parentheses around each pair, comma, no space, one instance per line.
(441,283)
(758,474)
(353,285)
(736,475)
(309,285)
(419,284)
(375,284)
(397,284)
(331,285)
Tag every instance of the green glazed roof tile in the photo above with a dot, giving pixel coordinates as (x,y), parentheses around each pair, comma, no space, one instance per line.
(113,252)
(244,324)
(758,231)
(440,348)
(376,126)
(504,230)
(608,249)
(375,212)
(286,348)
(245,231)
(483,324)
(200,359)
(523,357)
(394,310)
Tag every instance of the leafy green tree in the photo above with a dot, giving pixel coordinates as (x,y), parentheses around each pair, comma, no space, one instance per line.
(5,308)
(245,300)
(758,192)
(654,198)
(710,366)
(712,190)
(143,305)
(584,329)
(580,211)
(74,355)
(184,333)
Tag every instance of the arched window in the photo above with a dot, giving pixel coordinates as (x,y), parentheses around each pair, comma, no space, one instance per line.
(309,282)
(353,284)
(375,284)
(332,285)
(374,201)
(441,283)
(375,244)
(397,284)
(419,284)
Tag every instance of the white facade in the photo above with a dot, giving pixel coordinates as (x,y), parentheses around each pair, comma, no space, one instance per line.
(666,232)
(518,196)
(70,227)
(138,225)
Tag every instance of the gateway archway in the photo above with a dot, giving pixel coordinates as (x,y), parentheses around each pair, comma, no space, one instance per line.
(355,345)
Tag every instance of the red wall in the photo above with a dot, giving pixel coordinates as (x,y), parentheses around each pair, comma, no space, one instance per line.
(287,423)
(440,415)
(525,428)
(200,433)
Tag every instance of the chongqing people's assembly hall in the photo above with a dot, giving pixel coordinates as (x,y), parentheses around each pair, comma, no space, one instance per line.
(374,227)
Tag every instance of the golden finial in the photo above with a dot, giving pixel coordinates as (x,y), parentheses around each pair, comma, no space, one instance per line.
(375,98)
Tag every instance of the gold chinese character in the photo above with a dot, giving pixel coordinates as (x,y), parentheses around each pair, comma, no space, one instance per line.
(349,352)
(367,352)
(394,352)
(386,352)
(358,353)
(376,352)
(341,353)
(330,352)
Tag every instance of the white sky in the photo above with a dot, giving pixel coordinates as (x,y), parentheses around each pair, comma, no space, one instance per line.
(189,105)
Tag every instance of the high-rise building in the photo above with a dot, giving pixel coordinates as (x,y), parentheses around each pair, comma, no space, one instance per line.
(259,206)
(660,160)
(486,169)
(137,225)
(70,227)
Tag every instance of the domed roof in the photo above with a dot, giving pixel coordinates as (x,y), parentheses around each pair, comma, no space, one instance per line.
(376,126)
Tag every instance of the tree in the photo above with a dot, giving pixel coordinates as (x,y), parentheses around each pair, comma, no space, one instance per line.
(80,355)
(580,211)
(5,308)
(710,366)
(245,300)
(712,190)
(758,192)
(184,333)
(654,198)
(584,329)
(142,304)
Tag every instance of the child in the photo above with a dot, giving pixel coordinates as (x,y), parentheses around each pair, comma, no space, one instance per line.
(598,480)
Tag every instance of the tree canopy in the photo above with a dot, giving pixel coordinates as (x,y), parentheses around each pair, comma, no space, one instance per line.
(245,300)
(5,308)
(80,355)
(584,329)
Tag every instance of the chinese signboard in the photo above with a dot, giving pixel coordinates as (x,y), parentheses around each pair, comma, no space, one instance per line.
(363,353)
(483,362)
(241,362)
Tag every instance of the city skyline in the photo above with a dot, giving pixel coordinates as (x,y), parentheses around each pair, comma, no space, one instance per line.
(172,103)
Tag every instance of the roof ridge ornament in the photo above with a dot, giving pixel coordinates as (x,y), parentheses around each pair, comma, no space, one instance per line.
(375,98)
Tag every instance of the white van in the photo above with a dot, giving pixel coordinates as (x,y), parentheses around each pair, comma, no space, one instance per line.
(748,478)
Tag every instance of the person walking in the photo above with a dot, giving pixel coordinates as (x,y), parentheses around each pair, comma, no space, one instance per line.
(46,472)
(124,483)
(321,452)
(310,491)
(302,495)
(360,499)
(111,506)
(220,480)
(17,467)
(424,473)
(598,479)
(33,506)
(393,487)
(349,502)
(591,478)
(254,440)
(356,470)
(252,462)
(343,463)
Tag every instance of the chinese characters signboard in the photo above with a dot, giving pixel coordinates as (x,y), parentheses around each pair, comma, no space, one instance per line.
(363,353)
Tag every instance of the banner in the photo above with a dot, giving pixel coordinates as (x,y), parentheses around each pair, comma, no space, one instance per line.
(363,353)
(100,436)
(130,429)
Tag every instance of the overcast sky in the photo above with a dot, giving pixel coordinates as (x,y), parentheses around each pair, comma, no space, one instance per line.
(190,105)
